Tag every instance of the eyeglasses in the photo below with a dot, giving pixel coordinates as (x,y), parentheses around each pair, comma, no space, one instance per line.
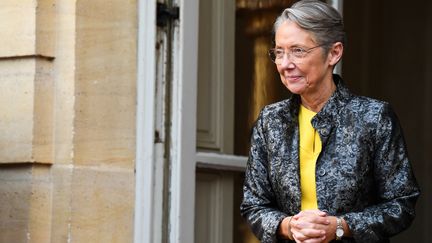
(295,54)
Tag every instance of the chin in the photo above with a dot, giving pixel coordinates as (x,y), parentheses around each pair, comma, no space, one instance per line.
(295,89)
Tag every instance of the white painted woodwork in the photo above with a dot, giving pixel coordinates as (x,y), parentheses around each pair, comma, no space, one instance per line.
(183,124)
(215,106)
(215,122)
(146,214)
(214,208)
(221,161)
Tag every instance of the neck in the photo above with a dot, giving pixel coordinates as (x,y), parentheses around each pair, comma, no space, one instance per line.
(315,101)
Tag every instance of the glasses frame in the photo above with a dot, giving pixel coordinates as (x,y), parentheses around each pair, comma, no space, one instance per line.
(294,54)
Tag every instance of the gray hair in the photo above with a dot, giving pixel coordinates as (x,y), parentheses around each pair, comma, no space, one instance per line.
(319,18)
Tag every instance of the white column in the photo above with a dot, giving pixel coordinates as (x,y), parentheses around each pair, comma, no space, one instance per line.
(145,215)
(183,132)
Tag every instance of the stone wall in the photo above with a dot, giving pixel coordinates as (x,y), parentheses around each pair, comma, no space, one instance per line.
(67,120)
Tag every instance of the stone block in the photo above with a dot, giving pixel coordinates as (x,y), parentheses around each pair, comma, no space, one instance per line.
(45,27)
(15,191)
(105,89)
(26,105)
(18,27)
(102,205)
(25,214)
(27,27)
(64,81)
(40,204)
(61,206)
(16,106)
(43,123)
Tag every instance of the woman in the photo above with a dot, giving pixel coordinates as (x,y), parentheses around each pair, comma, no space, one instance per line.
(324,164)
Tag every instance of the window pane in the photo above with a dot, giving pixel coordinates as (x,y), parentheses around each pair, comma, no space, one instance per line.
(257,82)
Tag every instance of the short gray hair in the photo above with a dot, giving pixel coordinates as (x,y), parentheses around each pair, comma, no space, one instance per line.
(317,17)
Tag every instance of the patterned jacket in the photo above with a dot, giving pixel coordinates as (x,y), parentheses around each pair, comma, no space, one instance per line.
(362,174)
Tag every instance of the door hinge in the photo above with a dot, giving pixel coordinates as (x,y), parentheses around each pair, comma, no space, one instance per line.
(166,13)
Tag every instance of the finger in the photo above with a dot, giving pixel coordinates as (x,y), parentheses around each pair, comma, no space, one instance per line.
(308,230)
(320,220)
(321,213)
(312,218)
(311,230)
(299,238)
(312,233)
(297,216)
(314,211)
(315,240)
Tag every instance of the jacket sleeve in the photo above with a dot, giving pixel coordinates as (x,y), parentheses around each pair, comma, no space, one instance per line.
(259,207)
(396,187)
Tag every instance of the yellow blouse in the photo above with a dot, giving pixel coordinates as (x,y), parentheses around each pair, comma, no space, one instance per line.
(310,148)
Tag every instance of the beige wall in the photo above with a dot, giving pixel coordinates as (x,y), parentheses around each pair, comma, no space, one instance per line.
(67,120)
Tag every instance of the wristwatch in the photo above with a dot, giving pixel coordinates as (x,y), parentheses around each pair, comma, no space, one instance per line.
(339,229)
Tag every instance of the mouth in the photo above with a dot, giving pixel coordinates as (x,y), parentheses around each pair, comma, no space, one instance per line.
(293,78)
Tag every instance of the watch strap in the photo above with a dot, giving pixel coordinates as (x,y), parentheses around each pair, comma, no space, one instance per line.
(339,227)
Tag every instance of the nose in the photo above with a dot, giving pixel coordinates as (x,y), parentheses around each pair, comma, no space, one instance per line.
(287,62)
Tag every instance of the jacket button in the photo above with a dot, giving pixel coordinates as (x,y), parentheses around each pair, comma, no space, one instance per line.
(325,132)
(321,172)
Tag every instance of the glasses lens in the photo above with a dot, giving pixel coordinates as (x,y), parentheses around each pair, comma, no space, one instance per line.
(272,55)
(295,55)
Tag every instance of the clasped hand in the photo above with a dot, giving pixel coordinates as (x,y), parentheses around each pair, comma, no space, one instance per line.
(312,226)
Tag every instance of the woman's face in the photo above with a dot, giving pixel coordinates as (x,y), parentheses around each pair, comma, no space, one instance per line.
(308,74)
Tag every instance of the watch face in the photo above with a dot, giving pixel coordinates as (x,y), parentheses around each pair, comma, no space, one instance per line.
(339,232)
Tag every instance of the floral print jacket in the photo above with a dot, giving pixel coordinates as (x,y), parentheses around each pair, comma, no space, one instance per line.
(362,174)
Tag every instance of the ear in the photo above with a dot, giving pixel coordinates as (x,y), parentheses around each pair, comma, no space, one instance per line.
(335,53)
